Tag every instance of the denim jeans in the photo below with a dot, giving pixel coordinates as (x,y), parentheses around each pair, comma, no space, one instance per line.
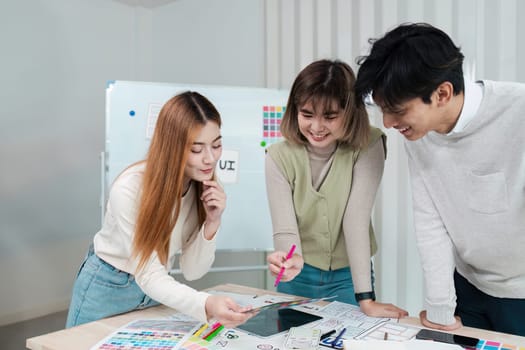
(100,290)
(312,282)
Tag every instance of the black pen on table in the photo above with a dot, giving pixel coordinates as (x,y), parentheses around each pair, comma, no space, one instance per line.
(327,334)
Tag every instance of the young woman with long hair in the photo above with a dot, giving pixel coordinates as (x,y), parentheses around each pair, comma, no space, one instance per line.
(167,204)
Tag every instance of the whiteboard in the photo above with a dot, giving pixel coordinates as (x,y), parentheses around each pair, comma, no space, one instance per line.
(249,116)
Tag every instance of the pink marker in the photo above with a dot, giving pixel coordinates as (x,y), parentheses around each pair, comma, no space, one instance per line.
(281,272)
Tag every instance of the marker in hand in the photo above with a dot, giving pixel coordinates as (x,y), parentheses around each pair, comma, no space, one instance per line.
(281,272)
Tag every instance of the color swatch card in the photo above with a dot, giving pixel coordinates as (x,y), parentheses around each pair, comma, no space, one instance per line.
(149,334)
(271,124)
(494,345)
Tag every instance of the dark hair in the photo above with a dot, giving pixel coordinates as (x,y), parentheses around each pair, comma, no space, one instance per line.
(410,61)
(322,82)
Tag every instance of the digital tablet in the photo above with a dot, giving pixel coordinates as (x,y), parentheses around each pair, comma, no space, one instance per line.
(273,321)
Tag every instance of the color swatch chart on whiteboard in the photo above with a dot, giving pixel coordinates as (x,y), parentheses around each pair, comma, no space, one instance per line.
(272,117)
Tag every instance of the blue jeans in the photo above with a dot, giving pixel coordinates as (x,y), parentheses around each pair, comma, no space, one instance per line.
(312,282)
(100,290)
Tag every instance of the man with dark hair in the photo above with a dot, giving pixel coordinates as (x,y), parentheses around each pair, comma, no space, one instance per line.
(467,165)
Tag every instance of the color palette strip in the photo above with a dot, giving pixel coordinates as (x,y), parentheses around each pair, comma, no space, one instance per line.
(147,334)
(142,340)
(494,345)
(271,124)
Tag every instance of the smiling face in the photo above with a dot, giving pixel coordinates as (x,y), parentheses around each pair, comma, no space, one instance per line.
(321,128)
(415,118)
(204,154)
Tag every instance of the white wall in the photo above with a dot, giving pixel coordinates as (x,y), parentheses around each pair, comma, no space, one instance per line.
(57,56)
(54,65)
(209,42)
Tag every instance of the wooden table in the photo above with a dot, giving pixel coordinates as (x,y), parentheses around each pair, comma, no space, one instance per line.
(83,337)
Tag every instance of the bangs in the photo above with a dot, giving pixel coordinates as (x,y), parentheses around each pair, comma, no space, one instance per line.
(393,90)
(323,101)
(389,99)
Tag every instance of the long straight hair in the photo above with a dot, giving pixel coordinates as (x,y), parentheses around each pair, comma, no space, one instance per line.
(179,122)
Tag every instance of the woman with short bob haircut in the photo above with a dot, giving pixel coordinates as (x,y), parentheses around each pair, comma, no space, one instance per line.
(321,83)
(321,183)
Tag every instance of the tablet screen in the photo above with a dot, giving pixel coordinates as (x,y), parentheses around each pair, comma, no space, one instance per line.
(273,321)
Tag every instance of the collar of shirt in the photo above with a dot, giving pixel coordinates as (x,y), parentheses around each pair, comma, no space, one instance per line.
(471,103)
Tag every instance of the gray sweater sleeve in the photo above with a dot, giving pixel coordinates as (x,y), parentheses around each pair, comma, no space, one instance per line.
(367,175)
(284,222)
(435,252)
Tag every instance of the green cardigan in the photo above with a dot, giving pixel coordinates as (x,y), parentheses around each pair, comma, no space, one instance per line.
(320,213)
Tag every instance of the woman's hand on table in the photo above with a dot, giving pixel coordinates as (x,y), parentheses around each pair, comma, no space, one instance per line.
(376,309)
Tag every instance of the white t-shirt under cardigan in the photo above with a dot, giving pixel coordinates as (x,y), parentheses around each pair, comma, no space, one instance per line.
(113,244)
(469,202)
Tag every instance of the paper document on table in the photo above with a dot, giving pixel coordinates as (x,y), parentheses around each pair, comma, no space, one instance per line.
(338,315)
(302,338)
(414,344)
(391,331)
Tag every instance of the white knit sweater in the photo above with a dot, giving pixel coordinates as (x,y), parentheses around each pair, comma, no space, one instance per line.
(469,202)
